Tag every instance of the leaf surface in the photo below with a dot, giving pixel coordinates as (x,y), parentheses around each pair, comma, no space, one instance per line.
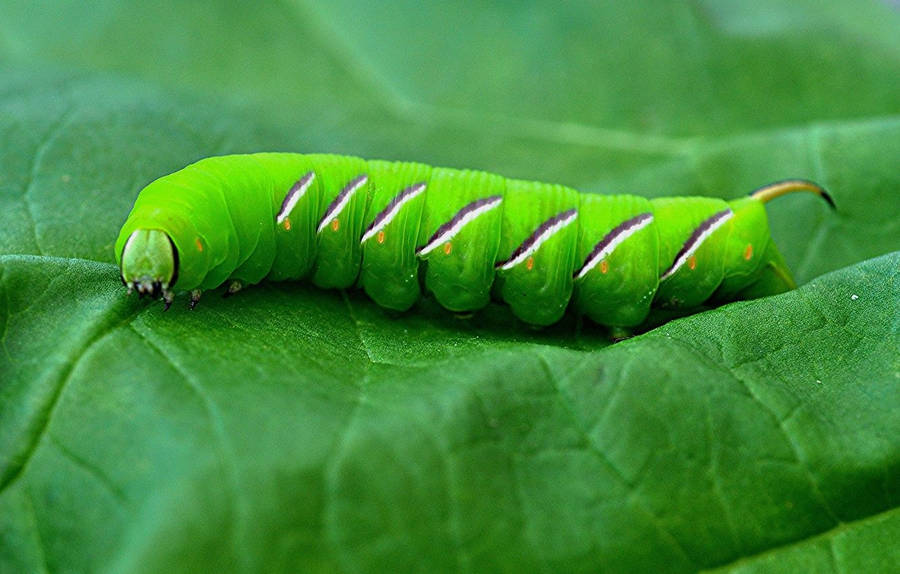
(288,428)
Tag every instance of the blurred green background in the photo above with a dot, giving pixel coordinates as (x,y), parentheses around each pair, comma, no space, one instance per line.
(712,98)
(291,429)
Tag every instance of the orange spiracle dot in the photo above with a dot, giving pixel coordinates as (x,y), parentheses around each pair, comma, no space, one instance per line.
(380,237)
(448,247)
(287,224)
(335,224)
(529,264)
(604,267)
(692,262)
(748,252)
(199,244)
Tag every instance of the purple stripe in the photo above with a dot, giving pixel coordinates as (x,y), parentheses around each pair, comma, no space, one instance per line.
(536,235)
(459,215)
(611,236)
(294,189)
(695,236)
(332,207)
(391,204)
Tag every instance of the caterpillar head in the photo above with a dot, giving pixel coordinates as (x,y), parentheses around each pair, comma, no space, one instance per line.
(149,264)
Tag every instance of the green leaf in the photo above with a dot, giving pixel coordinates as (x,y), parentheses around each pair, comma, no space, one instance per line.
(288,428)
(157,441)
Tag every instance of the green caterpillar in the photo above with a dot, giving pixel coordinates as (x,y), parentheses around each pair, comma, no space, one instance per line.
(466,236)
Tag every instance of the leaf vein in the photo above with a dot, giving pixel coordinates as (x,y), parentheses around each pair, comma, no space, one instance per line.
(598,452)
(13,472)
(90,468)
(224,448)
(36,159)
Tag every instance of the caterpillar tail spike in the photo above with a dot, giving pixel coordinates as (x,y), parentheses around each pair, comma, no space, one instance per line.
(783,187)
(775,276)
(398,229)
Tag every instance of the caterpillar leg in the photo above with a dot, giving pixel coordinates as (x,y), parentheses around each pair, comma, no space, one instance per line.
(145,288)
(168,297)
(153,289)
(617,334)
(195,297)
(233,287)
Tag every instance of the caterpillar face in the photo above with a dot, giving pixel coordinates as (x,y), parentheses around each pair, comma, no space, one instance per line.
(396,228)
(150,264)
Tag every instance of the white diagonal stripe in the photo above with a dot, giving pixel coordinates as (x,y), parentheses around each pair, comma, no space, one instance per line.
(459,225)
(547,234)
(343,203)
(696,245)
(416,192)
(608,250)
(294,198)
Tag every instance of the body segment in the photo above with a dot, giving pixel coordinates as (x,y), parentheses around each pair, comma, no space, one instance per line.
(691,234)
(459,236)
(537,250)
(394,228)
(341,215)
(618,254)
(389,265)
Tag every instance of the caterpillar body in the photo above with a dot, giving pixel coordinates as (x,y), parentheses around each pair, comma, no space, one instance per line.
(398,228)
